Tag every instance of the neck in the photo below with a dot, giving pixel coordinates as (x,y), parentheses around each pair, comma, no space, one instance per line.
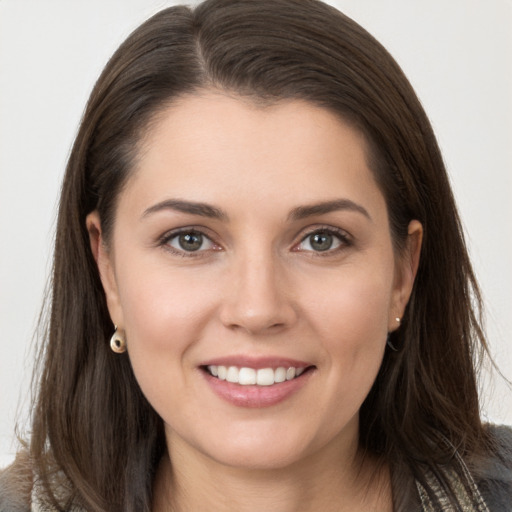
(329,481)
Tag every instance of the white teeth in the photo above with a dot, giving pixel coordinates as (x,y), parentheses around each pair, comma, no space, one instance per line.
(222,372)
(232,375)
(247,376)
(280,374)
(265,377)
(250,376)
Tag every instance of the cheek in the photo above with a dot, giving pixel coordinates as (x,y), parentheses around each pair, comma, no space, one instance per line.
(352,312)
(164,314)
(350,321)
(158,304)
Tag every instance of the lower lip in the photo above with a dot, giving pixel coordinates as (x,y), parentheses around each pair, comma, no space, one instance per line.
(256,396)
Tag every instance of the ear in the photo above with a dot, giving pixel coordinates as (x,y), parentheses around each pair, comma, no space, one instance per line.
(407,267)
(104,260)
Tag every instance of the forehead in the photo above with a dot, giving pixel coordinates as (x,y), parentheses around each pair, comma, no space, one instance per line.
(211,146)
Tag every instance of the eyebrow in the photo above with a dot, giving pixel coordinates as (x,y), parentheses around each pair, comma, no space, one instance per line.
(191,207)
(302,212)
(298,213)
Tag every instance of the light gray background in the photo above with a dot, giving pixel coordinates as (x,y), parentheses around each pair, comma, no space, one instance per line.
(457,54)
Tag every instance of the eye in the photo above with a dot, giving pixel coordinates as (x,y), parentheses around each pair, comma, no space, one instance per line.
(323,240)
(189,241)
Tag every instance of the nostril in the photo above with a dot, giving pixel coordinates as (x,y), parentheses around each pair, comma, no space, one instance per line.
(255,310)
(259,327)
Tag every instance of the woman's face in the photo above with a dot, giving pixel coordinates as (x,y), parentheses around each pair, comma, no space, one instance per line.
(251,244)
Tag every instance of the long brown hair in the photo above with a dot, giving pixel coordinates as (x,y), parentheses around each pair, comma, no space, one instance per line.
(93,430)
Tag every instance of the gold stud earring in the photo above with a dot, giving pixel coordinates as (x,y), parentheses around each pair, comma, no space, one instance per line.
(117,342)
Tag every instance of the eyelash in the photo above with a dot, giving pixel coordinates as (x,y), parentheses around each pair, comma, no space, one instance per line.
(341,235)
(165,240)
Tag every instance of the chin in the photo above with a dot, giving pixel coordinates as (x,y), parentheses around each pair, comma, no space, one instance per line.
(259,459)
(255,449)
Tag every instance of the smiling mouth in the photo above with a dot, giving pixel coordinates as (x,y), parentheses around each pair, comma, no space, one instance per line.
(245,376)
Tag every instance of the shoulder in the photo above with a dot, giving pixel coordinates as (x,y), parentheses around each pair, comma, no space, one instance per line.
(20,490)
(16,486)
(493,472)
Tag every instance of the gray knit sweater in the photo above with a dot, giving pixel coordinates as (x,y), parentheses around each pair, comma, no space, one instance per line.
(480,485)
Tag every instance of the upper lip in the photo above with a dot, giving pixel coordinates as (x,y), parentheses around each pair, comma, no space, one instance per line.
(256,362)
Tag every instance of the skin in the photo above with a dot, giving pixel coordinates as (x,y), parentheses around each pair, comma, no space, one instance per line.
(257,287)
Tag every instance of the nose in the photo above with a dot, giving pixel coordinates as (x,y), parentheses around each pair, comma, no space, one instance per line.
(258,299)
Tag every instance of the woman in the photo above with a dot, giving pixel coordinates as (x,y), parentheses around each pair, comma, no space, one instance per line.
(256,214)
